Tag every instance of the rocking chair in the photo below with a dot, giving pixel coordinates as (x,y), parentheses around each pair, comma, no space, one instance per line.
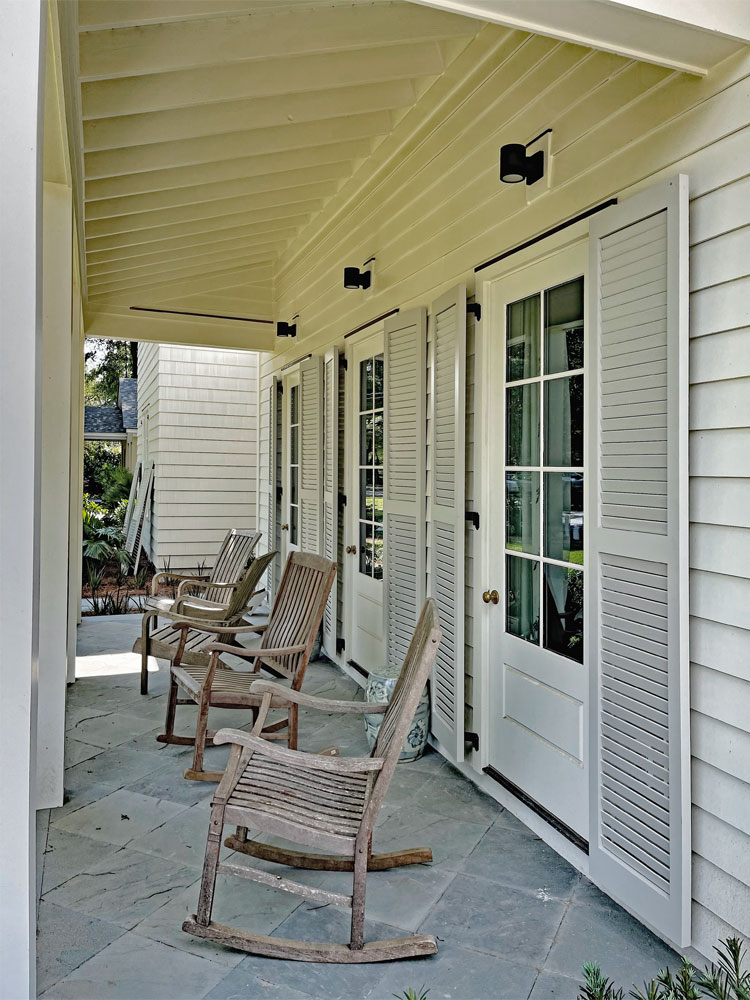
(286,645)
(320,802)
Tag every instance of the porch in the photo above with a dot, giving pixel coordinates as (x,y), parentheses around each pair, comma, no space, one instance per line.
(120,867)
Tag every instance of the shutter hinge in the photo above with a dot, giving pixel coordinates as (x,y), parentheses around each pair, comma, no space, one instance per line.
(475,309)
(343,362)
(473,516)
(342,500)
(472,739)
(340,645)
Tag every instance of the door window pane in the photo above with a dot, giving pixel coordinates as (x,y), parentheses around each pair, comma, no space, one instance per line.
(522,598)
(378,496)
(563,327)
(293,527)
(371,467)
(563,421)
(563,611)
(366,443)
(522,511)
(294,484)
(377,552)
(563,516)
(294,444)
(378,382)
(365,548)
(523,335)
(366,384)
(294,405)
(522,425)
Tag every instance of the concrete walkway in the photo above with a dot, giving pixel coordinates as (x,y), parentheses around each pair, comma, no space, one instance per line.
(122,859)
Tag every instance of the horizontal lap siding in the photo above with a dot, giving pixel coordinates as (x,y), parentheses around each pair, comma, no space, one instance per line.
(206,421)
(429,205)
(720,550)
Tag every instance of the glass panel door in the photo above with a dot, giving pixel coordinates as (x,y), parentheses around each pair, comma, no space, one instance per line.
(371,467)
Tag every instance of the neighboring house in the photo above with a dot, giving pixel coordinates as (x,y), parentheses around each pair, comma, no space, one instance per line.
(116,423)
(197,419)
(564,466)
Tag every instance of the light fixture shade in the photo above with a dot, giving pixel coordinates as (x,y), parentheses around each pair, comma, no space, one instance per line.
(286,329)
(513,163)
(354,278)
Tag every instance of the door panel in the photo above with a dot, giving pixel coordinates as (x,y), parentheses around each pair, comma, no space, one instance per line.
(538,673)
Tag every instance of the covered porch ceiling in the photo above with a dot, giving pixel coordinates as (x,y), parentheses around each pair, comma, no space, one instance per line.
(206,134)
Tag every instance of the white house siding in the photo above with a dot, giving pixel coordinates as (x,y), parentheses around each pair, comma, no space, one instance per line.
(429,205)
(202,430)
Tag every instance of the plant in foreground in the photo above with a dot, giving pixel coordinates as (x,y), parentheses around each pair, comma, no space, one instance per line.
(727,980)
(412,994)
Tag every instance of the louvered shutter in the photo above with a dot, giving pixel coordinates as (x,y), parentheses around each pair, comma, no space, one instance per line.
(404,494)
(330,488)
(636,557)
(445,572)
(311,455)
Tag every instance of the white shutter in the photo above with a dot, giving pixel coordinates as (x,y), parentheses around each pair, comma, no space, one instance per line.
(330,488)
(311,455)
(268,423)
(446,513)
(404,495)
(637,557)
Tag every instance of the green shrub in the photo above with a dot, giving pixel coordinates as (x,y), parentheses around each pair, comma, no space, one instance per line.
(116,482)
(99,457)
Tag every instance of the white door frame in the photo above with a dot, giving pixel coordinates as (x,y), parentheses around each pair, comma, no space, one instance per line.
(290,378)
(487,450)
(371,341)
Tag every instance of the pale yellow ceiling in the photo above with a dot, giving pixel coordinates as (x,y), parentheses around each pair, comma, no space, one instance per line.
(211,131)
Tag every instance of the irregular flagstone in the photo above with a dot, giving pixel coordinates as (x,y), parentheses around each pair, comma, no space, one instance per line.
(120,816)
(123,888)
(116,767)
(68,854)
(67,940)
(181,839)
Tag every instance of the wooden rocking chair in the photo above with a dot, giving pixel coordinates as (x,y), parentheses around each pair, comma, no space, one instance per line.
(211,591)
(320,802)
(286,644)
(172,640)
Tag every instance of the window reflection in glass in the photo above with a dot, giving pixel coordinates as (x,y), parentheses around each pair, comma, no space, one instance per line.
(522,511)
(522,343)
(563,327)
(563,423)
(563,611)
(371,467)
(563,516)
(522,598)
(522,425)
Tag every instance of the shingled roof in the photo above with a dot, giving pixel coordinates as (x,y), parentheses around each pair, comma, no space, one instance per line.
(102,420)
(127,400)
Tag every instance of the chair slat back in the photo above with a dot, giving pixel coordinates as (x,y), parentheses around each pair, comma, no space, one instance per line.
(297,612)
(399,715)
(234,558)
(247,587)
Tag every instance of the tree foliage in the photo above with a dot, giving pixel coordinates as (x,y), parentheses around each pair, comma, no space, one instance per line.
(106,362)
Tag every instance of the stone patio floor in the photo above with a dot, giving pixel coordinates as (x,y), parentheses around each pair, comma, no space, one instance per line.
(121,862)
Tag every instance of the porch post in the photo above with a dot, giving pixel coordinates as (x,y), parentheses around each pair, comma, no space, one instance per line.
(21,80)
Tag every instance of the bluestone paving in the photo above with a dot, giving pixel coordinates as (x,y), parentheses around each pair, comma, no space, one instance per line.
(124,854)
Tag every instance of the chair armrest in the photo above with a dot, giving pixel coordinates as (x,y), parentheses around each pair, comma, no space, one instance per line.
(165,575)
(318,762)
(214,628)
(184,607)
(320,704)
(221,647)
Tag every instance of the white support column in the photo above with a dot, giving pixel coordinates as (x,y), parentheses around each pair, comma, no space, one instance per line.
(21,81)
(55,484)
(75,535)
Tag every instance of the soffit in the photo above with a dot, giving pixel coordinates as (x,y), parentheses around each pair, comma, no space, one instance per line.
(211,131)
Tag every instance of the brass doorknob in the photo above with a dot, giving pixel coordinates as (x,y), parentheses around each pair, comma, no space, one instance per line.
(351,550)
(491,597)
(285,527)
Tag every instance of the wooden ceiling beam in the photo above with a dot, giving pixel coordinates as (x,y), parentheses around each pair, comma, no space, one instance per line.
(244,37)
(233,116)
(288,138)
(162,91)
(237,236)
(296,215)
(225,170)
(245,187)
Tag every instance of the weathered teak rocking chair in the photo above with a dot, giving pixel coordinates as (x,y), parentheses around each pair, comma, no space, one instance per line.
(286,644)
(211,592)
(320,802)
(169,640)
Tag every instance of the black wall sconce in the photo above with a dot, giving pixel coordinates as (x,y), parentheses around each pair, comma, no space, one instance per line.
(516,165)
(287,329)
(354,278)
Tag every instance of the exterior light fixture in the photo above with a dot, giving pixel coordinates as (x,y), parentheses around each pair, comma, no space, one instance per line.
(517,166)
(354,278)
(287,329)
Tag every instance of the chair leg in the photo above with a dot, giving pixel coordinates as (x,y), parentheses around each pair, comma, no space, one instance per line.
(196,772)
(359,885)
(292,727)
(210,865)
(145,644)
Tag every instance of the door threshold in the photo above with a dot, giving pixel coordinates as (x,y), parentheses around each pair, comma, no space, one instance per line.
(360,669)
(557,824)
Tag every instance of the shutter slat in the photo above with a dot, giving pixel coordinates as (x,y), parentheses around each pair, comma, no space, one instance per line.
(637,504)
(311,455)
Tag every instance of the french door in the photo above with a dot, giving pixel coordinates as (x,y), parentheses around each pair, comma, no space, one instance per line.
(290,465)
(364,512)
(538,677)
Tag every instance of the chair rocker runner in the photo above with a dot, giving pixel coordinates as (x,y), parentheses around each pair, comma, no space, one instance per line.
(284,651)
(167,640)
(319,802)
